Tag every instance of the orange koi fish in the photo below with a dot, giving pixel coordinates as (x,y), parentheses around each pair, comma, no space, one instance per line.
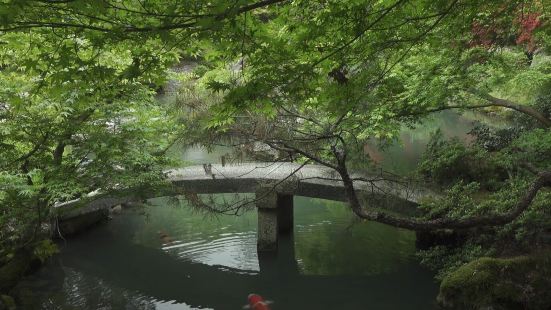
(256,302)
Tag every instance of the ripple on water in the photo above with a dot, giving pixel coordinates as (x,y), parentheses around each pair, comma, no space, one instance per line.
(236,250)
(335,254)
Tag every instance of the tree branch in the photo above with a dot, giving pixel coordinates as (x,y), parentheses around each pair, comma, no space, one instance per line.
(492,102)
(289,148)
(543,179)
(224,15)
(511,105)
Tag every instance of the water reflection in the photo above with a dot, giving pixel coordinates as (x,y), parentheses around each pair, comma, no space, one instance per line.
(400,157)
(404,155)
(333,262)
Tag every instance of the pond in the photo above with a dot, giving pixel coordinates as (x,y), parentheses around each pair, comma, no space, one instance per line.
(168,256)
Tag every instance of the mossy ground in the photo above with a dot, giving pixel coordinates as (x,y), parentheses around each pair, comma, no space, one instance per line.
(15,269)
(7,303)
(522,282)
(16,265)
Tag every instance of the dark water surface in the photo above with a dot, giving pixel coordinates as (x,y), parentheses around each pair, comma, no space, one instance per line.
(167,256)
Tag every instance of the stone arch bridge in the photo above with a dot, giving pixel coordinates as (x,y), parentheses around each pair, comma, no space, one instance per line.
(274,184)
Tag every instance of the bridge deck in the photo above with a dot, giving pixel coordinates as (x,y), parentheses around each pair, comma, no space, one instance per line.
(309,180)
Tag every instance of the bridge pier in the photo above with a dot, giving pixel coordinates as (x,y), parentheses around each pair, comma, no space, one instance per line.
(285,213)
(275,216)
(281,264)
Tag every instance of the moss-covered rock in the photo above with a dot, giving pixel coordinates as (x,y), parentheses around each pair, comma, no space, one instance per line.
(13,270)
(83,222)
(24,261)
(7,303)
(522,282)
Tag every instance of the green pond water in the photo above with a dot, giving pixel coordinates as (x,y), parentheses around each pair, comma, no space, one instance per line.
(167,256)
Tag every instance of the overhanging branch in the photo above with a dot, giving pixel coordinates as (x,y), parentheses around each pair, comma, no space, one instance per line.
(511,105)
(543,179)
(132,28)
(491,102)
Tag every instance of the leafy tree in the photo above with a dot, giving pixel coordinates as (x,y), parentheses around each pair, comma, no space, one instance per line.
(321,86)
(76,118)
(315,80)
